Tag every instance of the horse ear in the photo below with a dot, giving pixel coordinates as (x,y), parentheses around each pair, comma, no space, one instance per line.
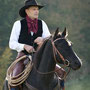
(56,32)
(65,33)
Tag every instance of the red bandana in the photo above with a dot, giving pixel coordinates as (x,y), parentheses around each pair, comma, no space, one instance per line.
(32,25)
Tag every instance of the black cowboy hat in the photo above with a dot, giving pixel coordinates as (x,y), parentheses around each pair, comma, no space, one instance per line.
(28,3)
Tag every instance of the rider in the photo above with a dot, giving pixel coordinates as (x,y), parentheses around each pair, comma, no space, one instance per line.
(27,31)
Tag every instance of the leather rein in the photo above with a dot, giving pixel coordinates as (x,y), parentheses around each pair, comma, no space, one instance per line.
(55,52)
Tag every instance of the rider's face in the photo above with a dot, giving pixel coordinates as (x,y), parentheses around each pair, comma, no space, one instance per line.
(32,12)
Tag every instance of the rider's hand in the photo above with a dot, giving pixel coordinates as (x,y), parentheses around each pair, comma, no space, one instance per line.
(29,48)
(39,40)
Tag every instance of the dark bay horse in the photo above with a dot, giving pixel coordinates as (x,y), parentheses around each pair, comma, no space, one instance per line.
(55,49)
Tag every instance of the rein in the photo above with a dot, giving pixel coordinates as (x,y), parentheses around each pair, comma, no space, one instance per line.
(55,51)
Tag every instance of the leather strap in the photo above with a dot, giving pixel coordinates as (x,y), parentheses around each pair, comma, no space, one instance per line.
(29,86)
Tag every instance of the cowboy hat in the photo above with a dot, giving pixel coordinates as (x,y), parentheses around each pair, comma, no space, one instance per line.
(28,3)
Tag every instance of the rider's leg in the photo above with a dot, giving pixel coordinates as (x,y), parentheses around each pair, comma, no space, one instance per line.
(16,88)
(61,73)
(12,88)
(62,84)
(19,67)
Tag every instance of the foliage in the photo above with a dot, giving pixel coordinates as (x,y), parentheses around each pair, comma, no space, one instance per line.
(73,14)
(4,63)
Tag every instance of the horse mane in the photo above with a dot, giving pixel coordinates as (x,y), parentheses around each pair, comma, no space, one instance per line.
(38,55)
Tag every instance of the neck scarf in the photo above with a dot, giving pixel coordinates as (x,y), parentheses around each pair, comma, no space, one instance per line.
(32,25)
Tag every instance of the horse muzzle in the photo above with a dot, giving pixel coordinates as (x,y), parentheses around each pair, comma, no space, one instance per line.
(76,65)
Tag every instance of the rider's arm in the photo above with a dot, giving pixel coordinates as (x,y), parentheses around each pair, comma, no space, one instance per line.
(13,42)
(46,32)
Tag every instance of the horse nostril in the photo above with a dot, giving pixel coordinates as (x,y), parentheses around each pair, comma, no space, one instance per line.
(78,64)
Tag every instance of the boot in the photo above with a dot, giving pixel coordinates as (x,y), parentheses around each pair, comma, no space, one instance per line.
(61,73)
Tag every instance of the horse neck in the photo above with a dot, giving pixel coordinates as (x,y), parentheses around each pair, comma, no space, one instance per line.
(47,63)
(43,62)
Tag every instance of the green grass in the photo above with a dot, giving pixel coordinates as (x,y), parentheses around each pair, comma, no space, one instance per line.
(81,84)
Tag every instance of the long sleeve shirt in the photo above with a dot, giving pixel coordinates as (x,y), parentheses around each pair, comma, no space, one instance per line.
(13,42)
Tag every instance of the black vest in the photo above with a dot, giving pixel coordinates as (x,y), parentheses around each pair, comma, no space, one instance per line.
(26,38)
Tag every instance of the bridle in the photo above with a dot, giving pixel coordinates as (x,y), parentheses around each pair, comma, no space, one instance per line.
(55,52)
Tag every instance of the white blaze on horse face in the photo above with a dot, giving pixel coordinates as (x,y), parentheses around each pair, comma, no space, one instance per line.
(78,59)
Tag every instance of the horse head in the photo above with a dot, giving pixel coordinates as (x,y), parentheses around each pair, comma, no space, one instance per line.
(66,54)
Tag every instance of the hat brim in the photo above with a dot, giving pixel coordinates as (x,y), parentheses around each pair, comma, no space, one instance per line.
(22,12)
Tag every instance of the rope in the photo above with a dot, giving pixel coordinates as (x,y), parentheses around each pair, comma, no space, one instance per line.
(20,78)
